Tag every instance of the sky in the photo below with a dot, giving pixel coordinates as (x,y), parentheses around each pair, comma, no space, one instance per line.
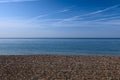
(59,18)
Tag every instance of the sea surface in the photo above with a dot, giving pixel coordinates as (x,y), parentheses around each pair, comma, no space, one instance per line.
(60,46)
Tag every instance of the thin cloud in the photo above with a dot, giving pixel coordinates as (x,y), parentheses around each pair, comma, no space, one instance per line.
(69,19)
(56,12)
(36,18)
(65,10)
(80,17)
(100,11)
(75,20)
(6,1)
(110,18)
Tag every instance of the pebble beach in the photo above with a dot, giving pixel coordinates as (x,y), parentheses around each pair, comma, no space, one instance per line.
(59,67)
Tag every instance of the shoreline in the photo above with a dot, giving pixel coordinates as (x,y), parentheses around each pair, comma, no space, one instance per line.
(58,55)
(59,67)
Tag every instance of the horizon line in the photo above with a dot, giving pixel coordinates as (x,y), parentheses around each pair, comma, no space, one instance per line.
(61,38)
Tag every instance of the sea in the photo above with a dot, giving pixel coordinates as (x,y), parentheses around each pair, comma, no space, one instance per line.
(60,46)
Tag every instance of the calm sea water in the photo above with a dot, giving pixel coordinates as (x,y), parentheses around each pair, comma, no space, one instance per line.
(60,46)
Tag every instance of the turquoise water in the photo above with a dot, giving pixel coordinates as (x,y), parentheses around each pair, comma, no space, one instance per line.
(60,46)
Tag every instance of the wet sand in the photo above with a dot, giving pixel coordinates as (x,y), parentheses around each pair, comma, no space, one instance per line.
(56,67)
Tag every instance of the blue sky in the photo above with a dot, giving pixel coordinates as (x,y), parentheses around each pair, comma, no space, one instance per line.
(60,18)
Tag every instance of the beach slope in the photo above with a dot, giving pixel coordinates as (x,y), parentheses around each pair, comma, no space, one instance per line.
(59,67)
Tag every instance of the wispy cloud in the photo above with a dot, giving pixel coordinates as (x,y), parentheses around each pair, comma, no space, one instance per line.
(62,11)
(79,17)
(55,12)
(78,21)
(68,19)
(84,16)
(109,18)
(100,11)
(65,10)
(6,1)
(37,17)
